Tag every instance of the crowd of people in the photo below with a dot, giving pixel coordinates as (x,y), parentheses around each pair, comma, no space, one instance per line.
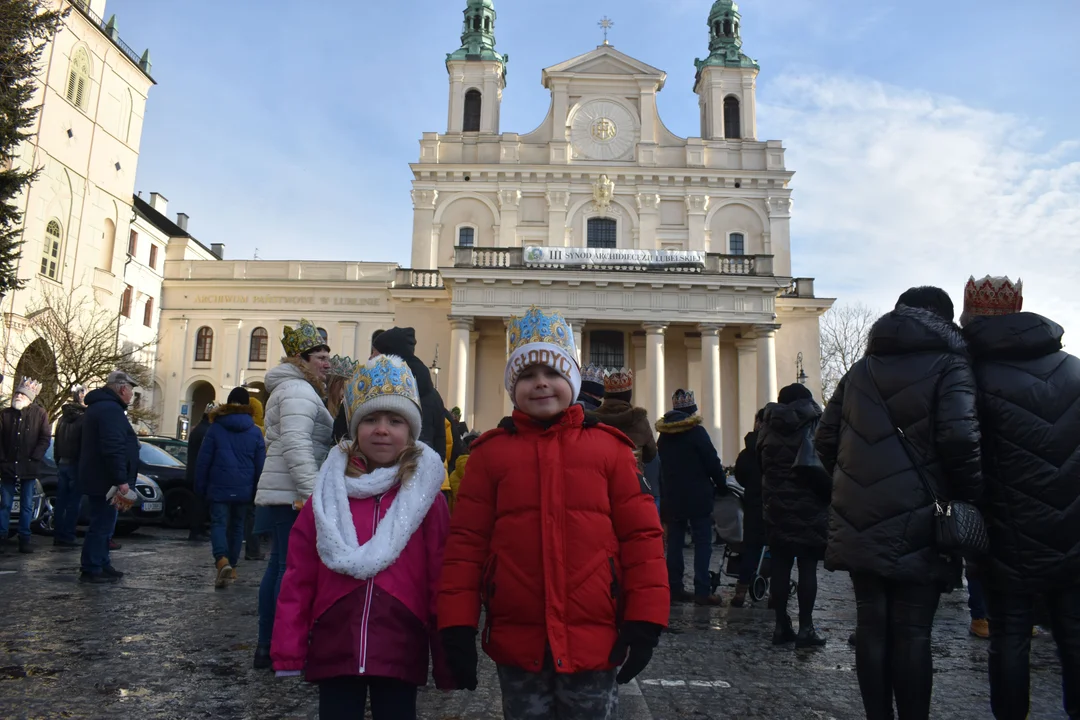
(397,537)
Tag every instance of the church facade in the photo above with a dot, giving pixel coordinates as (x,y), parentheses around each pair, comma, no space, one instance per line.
(670,256)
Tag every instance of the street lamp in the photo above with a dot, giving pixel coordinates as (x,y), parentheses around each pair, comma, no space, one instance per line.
(800,373)
(435,367)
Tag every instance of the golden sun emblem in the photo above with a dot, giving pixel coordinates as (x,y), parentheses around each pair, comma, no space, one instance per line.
(604,129)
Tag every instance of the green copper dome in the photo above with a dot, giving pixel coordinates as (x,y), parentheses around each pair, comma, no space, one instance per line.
(725,38)
(478,34)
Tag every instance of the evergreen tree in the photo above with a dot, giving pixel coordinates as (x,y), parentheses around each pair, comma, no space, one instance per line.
(26,26)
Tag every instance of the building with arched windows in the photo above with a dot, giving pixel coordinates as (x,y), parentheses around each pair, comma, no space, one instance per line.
(669,255)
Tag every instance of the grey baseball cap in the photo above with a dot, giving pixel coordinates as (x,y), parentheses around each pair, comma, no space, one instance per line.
(119,377)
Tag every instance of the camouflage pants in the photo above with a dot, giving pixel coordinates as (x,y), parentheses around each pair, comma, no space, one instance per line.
(548,695)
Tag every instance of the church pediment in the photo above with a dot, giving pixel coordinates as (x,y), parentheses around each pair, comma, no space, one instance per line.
(604,60)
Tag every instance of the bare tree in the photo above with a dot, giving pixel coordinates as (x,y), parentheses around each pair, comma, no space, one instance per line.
(845,330)
(74,341)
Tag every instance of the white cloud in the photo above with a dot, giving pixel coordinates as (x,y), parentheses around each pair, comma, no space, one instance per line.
(896,187)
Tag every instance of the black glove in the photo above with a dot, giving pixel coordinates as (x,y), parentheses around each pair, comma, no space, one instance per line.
(459,644)
(639,638)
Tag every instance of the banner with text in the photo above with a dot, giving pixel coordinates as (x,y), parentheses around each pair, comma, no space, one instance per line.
(611,257)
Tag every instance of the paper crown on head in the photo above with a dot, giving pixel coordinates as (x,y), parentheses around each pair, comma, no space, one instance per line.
(541,338)
(619,381)
(992,296)
(342,367)
(384,383)
(29,387)
(301,339)
(592,374)
(683,399)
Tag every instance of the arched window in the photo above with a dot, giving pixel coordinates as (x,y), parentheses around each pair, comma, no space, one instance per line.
(602,233)
(78,85)
(148,313)
(487,24)
(466,237)
(727,27)
(108,245)
(204,345)
(260,345)
(473,103)
(736,244)
(50,254)
(732,118)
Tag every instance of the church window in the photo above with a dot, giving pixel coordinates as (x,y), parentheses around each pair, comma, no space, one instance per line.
(607,349)
(204,345)
(727,27)
(736,244)
(603,233)
(736,29)
(260,345)
(732,122)
(473,103)
(487,24)
(78,85)
(50,256)
(466,237)
(716,29)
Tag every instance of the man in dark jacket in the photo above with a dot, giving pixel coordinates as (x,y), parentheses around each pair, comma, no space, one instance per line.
(109,458)
(402,342)
(796,510)
(24,438)
(617,412)
(197,526)
(592,387)
(228,467)
(66,452)
(693,475)
(748,475)
(1029,410)
(917,377)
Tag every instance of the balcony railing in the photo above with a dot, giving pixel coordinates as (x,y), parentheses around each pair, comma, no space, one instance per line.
(420,279)
(715,264)
(141,61)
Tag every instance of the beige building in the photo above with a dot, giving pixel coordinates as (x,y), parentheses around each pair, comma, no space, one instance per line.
(78,214)
(670,256)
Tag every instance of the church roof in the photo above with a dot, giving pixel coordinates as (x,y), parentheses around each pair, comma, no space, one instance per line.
(604,60)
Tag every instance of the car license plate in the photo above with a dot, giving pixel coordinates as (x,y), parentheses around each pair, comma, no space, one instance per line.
(151,507)
(15,507)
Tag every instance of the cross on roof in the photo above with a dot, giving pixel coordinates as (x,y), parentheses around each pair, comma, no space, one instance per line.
(606,23)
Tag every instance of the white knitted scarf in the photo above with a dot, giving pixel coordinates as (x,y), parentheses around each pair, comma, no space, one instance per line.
(336,538)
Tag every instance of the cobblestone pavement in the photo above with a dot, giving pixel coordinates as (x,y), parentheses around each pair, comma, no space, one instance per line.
(164,644)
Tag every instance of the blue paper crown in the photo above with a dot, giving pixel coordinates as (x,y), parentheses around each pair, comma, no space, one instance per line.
(539,327)
(683,399)
(592,374)
(381,376)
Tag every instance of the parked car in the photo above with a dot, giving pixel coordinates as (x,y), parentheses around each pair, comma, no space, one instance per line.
(149,512)
(171,475)
(177,448)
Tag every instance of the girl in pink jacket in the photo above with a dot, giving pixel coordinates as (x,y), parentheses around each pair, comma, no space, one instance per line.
(356,613)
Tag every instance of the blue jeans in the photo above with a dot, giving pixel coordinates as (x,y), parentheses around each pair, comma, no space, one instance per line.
(227,530)
(68,500)
(95,551)
(702,535)
(276,521)
(26,509)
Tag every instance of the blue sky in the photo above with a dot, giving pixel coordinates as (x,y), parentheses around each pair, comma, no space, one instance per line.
(932,140)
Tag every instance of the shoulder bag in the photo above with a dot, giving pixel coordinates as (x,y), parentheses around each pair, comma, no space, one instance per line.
(959,527)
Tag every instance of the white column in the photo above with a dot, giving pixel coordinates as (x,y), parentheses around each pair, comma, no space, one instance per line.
(711,401)
(468,413)
(767,387)
(748,395)
(654,364)
(578,327)
(460,328)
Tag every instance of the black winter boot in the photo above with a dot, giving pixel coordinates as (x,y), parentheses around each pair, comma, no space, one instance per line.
(808,636)
(262,658)
(24,545)
(784,633)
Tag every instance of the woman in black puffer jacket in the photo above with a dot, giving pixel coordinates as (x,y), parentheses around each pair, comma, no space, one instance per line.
(881,520)
(796,513)
(1029,407)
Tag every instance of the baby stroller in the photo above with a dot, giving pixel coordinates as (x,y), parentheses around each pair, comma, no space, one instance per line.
(728,516)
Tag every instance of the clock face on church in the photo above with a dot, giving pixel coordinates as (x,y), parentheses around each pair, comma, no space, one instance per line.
(603,130)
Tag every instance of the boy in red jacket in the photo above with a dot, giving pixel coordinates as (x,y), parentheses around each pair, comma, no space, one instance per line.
(554,537)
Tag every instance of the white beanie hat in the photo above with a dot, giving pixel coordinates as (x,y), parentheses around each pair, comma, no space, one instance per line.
(384,384)
(542,339)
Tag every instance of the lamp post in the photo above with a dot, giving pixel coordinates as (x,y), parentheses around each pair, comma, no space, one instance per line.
(435,367)
(800,373)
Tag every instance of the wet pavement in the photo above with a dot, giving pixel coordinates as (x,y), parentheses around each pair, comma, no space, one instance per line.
(164,644)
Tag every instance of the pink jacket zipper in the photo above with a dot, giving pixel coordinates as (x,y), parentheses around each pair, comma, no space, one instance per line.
(367,596)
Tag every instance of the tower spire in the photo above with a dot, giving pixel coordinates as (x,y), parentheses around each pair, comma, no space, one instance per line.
(725,38)
(478,34)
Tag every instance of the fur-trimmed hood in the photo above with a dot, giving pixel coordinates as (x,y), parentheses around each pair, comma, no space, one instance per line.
(909,330)
(293,369)
(619,413)
(231,409)
(677,422)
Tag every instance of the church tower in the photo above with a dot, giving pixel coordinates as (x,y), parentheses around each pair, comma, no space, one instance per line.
(477,74)
(727,79)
